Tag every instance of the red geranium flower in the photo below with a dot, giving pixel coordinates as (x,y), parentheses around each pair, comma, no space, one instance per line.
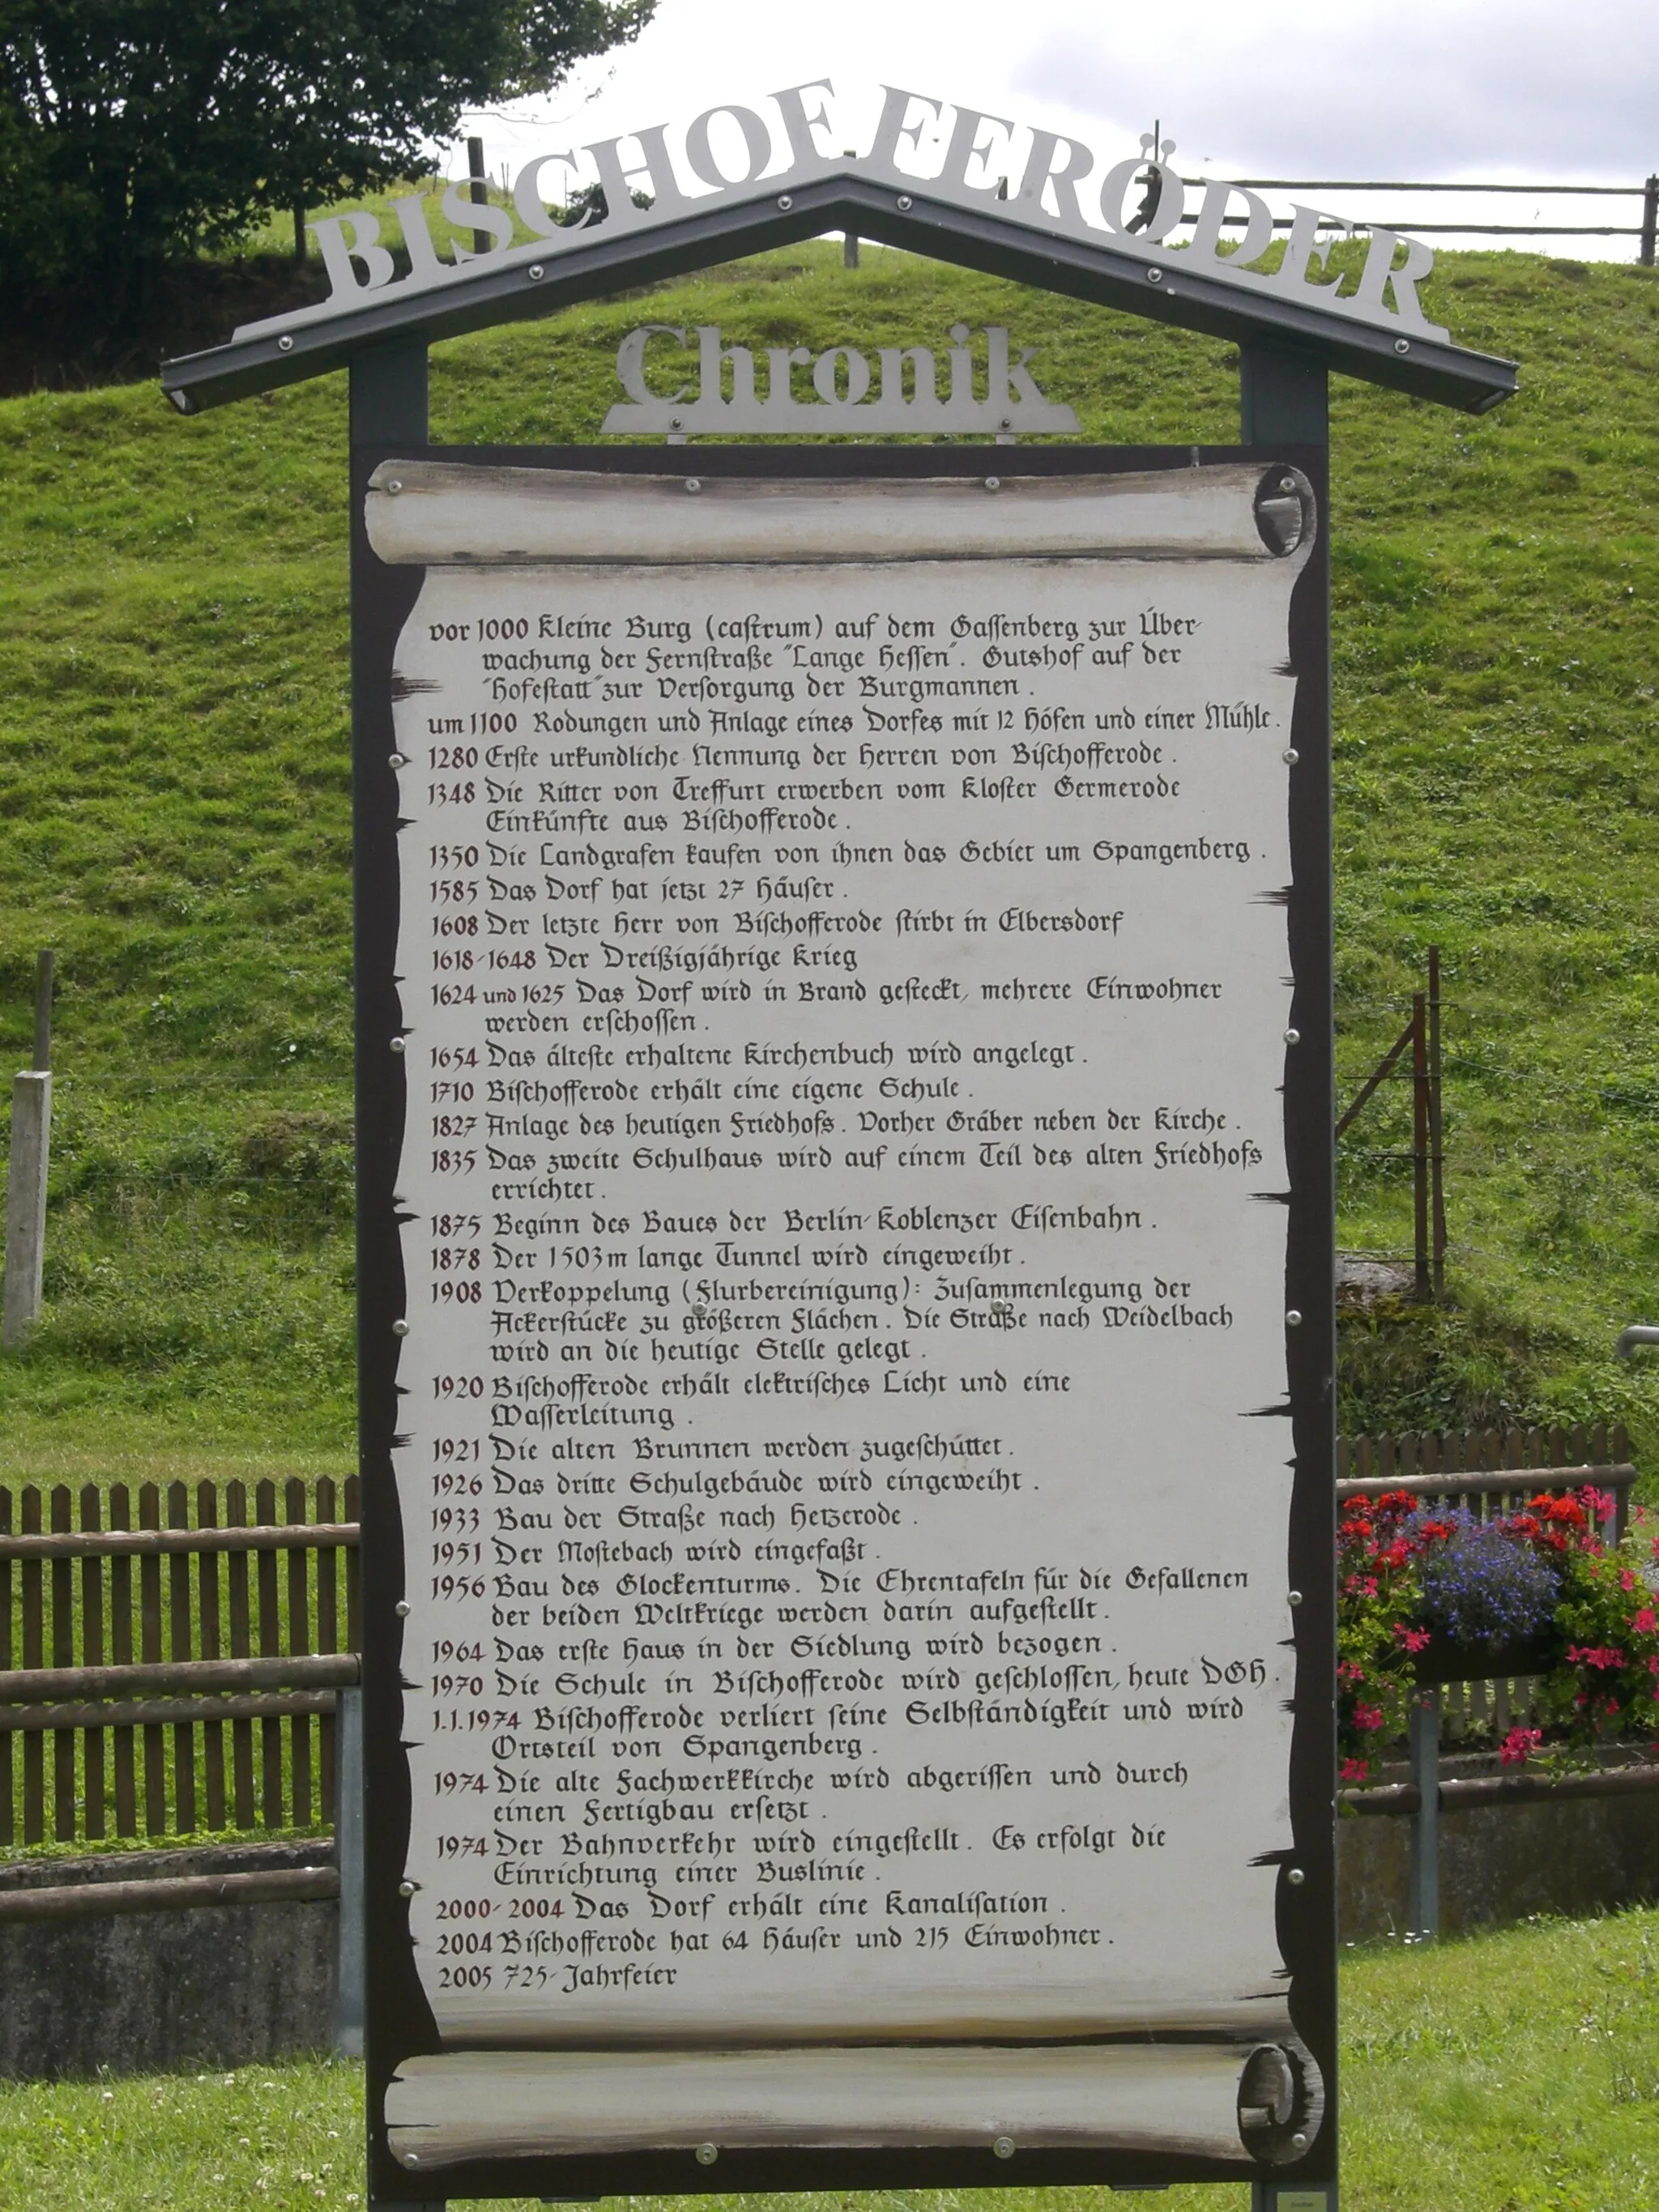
(1519,1745)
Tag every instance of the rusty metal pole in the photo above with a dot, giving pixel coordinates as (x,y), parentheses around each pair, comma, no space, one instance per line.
(1420,1145)
(1437,1146)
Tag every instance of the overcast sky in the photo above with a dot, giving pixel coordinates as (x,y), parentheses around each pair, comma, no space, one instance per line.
(1528,91)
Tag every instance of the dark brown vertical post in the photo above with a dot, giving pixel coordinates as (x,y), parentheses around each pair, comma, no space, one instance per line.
(479,192)
(64,1822)
(92,1655)
(299,1639)
(207,1606)
(271,1645)
(34,1750)
(150,1648)
(1437,1145)
(120,1652)
(328,1638)
(184,1732)
(8,1812)
(1424,1288)
(1650,222)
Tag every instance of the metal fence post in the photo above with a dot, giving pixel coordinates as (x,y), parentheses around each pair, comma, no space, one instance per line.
(349,2007)
(1423,1904)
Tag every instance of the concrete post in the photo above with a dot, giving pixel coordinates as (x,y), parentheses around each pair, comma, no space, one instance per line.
(1424,1905)
(349,1993)
(26,1203)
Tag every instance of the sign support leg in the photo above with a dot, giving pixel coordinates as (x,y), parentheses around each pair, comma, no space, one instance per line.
(1283,400)
(388,408)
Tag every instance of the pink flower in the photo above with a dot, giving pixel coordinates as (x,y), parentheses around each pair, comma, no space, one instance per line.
(1367,1717)
(1411,1639)
(1519,1745)
(1603,1656)
(1355,1770)
(1645,1623)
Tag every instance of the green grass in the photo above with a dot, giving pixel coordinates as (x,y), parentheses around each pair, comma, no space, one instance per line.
(174,818)
(1515,2072)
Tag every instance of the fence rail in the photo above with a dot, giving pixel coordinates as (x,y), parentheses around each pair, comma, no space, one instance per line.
(240,1615)
(1644,231)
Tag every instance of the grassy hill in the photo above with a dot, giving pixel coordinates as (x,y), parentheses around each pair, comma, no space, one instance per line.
(173,804)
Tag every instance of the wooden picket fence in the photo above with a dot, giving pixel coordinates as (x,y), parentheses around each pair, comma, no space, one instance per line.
(128,1647)
(1448,1451)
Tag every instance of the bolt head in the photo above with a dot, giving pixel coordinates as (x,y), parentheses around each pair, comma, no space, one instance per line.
(694,483)
(1293,1319)
(1295,1597)
(1003,2147)
(536,272)
(398,1045)
(1154,276)
(400,1328)
(785,202)
(904,203)
(1292,1037)
(285,345)
(397,760)
(1402,345)
(1291,756)
(393,486)
(406,1889)
(1298,2142)
(1296,1877)
(994,483)
(708,2153)
(402,1609)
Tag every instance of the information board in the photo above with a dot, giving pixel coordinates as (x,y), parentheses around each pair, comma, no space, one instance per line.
(847,1334)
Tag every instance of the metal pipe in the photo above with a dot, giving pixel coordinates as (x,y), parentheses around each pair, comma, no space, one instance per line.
(1637,1333)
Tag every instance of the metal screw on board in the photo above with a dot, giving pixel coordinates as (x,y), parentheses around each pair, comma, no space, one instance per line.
(694,483)
(398,1045)
(406,1889)
(400,1328)
(536,272)
(785,202)
(285,345)
(1292,1037)
(1294,1597)
(1296,1877)
(904,203)
(397,760)
(994,483)
(1293,1319)
(402,1609)
(394,485)
(706,2153)
(1402,345)
(1291,756)
(1003,2147)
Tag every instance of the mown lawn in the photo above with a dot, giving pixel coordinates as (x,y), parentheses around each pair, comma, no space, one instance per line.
(174,819)
(1516,2071)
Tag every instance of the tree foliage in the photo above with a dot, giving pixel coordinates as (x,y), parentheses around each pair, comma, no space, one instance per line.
(134,132)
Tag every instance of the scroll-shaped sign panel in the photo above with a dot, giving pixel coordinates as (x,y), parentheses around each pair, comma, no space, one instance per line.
(850,1676)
